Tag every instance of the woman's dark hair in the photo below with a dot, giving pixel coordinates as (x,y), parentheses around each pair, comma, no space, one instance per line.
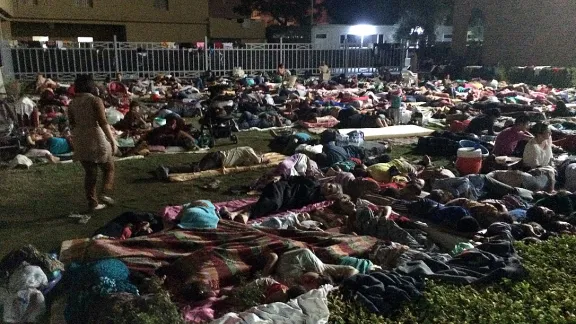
(84,84)
(494,112)
(538,215)
(539,128)
(324,279)
(134,104)
(295,291)
(522,119)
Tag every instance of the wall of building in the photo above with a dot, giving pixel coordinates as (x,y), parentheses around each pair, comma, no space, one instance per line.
(7,6)
(519,33)
(243,29)
(67,32)
(331,35)
(154,32)
(179,11)
(223,8)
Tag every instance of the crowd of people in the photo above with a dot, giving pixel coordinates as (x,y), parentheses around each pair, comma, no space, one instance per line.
(370,192)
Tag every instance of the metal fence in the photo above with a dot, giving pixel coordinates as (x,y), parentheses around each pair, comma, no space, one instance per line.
(102,59)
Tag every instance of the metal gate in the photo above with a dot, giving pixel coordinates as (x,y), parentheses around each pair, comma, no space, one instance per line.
(64,60)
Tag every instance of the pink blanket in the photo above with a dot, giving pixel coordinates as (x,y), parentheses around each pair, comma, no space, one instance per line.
(170,212)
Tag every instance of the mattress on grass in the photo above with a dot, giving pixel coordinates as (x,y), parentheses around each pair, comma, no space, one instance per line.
(274,159)
(390,132)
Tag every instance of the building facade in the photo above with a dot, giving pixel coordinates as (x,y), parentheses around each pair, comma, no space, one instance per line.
(516,33)
(335,36)
(181,21)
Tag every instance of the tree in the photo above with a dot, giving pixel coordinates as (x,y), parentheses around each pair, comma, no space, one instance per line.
(281,11)
(426,14)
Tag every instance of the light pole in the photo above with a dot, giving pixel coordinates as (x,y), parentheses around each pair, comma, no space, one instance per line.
(311,13)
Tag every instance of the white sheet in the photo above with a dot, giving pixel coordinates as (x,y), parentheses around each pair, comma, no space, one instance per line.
(390,132)
(311,308)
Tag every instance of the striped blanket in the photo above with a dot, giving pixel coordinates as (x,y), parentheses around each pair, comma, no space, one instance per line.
(216,258)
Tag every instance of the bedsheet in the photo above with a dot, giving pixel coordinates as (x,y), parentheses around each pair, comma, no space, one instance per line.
(215,258)
(312,307)
(170,212)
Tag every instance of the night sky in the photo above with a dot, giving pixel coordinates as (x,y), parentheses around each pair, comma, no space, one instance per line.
(384,12)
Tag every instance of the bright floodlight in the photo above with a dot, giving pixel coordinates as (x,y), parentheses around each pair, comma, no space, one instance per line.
(362,30)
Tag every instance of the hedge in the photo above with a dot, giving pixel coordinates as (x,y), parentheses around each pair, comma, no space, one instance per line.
(547,296)
(559,77)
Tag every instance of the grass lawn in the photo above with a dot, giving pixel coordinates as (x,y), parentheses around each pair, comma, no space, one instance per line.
(35,203)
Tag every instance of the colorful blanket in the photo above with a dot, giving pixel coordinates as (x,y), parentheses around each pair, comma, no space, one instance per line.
(214,258)
(170,212)
(325,122)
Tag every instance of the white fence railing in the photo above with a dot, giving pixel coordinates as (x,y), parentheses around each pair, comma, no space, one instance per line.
(63,61)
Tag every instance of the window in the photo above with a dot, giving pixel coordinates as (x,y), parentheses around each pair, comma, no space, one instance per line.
(85,3)
(85,39)
(323,36)
(40,38)
(161,4)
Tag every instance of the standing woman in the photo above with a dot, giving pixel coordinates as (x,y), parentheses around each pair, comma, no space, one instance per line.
(94,145)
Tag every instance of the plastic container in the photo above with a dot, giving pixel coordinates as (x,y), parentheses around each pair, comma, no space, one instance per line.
(158,121)
(475,145)
(469,160)
(355,138)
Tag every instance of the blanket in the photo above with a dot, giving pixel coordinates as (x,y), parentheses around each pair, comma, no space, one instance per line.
(325,122)
(312,307)
(213,258)
(170,212)
(274,160)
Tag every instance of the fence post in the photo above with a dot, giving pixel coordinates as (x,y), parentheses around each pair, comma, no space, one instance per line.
(281,50)
(116,54)
(346,49)
(206,53)
(7,63)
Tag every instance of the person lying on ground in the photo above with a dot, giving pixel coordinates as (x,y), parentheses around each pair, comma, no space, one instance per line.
(453,217)
(290,141)
(484,123)
(302,267)
(352,118)
(285,194)
(295,165)
(264,120)
(39,146)
(200,214)
(221,160)
(550,220)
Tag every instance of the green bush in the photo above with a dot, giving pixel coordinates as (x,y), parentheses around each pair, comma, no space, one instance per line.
(547,296)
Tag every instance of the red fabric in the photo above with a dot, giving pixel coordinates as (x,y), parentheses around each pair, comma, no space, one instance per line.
(457,126)
(356,161)
(126,233)
(71,92)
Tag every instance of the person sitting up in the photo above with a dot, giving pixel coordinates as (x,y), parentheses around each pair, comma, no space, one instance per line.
(538,154)
(132,120)
(283,73)
(507,140)
(301,266)
(170,134)
(285,194)
(484,122)
(236,157)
